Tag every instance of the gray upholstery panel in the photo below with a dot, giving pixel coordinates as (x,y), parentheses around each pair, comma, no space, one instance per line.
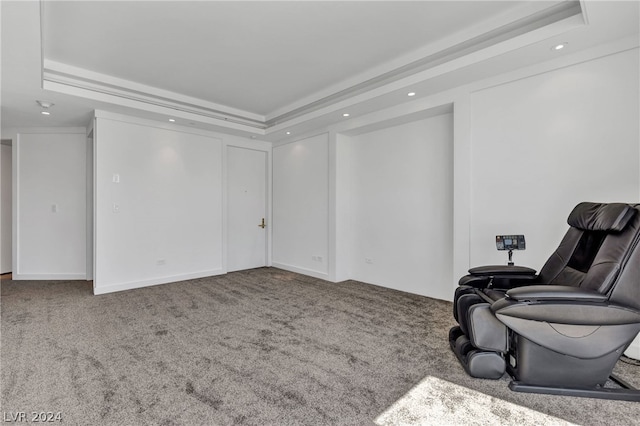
(485,331)
(615,250)
(593,341)
(485,365)
(568,277)
(627,288)
(463,304)
(460,291)
(559,259)
(601,276)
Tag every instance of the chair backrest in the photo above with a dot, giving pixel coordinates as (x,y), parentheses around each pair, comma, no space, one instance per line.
(602,240)
(626,290)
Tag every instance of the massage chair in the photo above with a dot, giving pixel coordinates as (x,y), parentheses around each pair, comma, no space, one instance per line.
(560,331)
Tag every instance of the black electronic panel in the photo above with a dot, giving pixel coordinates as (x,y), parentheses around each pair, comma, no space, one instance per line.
(510,242)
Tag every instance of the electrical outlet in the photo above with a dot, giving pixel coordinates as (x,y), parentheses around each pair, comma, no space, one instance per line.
(161,262)
(316,258)
(368,260)
(116,208)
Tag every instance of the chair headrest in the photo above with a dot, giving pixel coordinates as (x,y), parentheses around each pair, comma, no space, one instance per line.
(612,217)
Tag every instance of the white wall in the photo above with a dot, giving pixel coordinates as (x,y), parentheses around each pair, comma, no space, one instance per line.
(5,210)
(170,202)
(542,144)
(50,206)
(340,230)
(163,220)
(570,125)
(633,351)
(300,206)
(401,195)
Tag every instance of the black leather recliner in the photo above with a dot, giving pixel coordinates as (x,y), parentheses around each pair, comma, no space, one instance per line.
(563,330)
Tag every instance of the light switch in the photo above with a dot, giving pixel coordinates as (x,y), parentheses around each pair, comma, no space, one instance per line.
(116,208)
(116,178)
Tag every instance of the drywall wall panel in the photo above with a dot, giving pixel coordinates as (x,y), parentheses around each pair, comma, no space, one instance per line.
(51,206)
(401,203)
(158,209)
(5,208)
(542,144)
(300,205)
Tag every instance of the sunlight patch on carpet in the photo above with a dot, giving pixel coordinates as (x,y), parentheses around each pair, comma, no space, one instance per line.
(437,401)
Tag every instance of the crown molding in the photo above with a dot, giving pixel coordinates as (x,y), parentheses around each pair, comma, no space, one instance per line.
(443,52)
(473,46)
(62,75)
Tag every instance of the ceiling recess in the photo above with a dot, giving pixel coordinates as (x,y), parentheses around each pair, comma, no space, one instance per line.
(88,84)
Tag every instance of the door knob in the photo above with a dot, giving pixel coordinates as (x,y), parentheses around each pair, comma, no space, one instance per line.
(262,225)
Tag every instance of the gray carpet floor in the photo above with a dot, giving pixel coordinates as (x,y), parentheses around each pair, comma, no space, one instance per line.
(258,347)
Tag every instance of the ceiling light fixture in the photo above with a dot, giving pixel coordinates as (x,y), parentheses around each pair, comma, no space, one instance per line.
(411,94)
(173,120)
(45,105)
(560,46)
(288,133)
(346,114)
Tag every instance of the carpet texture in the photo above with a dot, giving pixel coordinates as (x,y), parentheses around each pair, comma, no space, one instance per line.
(258,347)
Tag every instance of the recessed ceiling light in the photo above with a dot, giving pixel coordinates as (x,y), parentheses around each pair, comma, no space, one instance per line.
(559,46)
(45,105)
(172,120)
(346,114)
(288,133)
(411,94)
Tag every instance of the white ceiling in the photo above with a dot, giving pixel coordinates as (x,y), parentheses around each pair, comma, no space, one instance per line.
(258,57)
(260,68)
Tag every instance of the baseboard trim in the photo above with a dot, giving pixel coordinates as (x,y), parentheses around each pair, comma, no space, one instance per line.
(303,271)
(48,277)
(112,288)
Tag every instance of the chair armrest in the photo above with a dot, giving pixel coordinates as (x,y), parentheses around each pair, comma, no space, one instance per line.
(583,328)
(475,281)
(499,276)
(564,308)
(555,292)
(498,270)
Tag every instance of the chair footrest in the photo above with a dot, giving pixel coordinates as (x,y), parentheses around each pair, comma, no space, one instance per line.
(477,363)
(485,365)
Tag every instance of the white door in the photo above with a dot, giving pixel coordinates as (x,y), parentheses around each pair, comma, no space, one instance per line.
(246,214)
